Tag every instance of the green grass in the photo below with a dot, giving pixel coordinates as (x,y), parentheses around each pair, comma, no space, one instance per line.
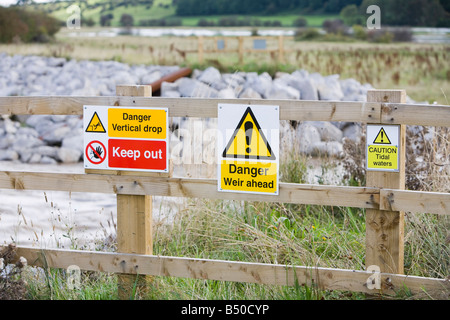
(317,20)
(140,13)
(285,19)
(156,11)
(164,9)
(215,230)
(52,284)
(287,234)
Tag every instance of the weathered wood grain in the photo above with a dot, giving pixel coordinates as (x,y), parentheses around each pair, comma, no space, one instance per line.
(186,187)
(415,201)
(260,273)
(195,107)
(385,229)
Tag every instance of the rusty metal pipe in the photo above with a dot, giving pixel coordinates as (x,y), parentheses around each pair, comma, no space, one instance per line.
(183,72)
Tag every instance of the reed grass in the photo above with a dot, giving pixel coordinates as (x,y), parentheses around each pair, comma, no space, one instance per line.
(280,233)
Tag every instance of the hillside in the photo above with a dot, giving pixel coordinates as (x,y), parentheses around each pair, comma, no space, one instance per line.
(257,13)
(165,12)
(94,9)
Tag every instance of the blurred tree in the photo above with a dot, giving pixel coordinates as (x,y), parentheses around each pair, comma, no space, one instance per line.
(335,26)
(300,22)
(219,7)
(350,15)
(17,24)
(88,22)
(429,13)
(445,4)
(126,20)
(105,20)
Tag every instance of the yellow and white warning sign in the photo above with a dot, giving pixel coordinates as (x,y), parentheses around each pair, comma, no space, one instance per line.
(248,140)
(382,147)
(95,124)
(248,148)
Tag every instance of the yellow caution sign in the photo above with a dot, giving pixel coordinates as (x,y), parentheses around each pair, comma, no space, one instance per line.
(382,157)
(95,124)
(383,151)
(248,140)
(382,138)
(247,176)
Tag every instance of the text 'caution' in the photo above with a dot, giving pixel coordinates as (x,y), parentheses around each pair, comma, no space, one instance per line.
(382,148)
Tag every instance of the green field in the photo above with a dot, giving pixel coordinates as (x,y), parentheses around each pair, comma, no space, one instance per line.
(159,9)
(163,9)
(286,20)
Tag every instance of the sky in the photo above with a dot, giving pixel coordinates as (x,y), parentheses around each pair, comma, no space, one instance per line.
(6,3)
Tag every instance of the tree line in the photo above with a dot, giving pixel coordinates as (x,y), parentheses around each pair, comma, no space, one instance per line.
(433,13)
(20,25)
(220,7)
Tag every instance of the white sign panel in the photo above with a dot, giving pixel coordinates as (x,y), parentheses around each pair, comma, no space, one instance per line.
(126,138)
(382,147)
(248,147)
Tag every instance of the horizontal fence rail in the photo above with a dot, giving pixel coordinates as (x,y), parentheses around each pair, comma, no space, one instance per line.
(206,269)
(358,197)
(387,199)
(301,110)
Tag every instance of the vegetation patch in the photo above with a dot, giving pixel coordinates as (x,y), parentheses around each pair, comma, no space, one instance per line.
(18,25)
(12,284)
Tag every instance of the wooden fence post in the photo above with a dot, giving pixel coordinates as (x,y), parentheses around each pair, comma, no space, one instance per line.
(200,49)
(134,220)
(241,49)
(280,49)
(385,229)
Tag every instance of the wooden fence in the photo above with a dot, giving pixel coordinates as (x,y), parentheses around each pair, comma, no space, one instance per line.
(273,45)
(384,197)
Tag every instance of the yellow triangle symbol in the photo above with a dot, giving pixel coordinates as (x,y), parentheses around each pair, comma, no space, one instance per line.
(95,125)
(382,138)
(248,140)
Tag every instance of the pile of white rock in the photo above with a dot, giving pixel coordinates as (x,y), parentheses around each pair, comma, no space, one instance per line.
(59,139)
(36,75)
(210,83)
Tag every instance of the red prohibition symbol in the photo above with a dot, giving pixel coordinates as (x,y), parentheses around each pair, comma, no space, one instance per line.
(95,152)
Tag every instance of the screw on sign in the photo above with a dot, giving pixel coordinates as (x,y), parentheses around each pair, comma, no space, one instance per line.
(95,152)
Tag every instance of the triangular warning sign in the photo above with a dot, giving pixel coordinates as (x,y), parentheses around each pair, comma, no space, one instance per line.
(382,138)
(95,125)
(248,140)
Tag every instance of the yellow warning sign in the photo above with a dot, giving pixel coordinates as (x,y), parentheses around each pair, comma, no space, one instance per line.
(383,150)
(137,123)
(95,125)
(248,140)
(247,162)
(382,138)
(380,157)
(248,176)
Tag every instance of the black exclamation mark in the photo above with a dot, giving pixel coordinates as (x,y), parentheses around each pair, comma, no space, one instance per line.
(248,135)
(382,136)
